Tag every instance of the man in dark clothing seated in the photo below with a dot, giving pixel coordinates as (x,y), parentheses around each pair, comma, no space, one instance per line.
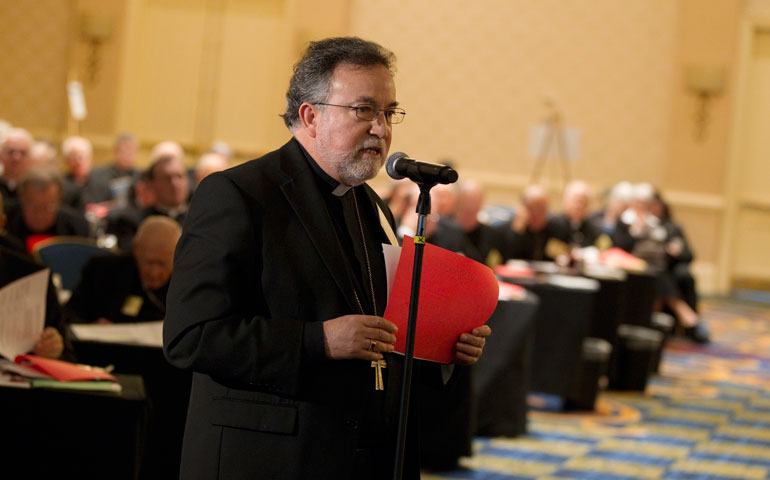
(14,266)
(168,181)
(40,211)
(573,226)
(130,287)
(6,239)
(118,177)
(14,160)
(467,235)
(532,234)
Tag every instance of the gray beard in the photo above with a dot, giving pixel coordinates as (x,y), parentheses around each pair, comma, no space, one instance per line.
(353,172)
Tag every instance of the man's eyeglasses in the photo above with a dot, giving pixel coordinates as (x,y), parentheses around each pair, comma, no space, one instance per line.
(369,113)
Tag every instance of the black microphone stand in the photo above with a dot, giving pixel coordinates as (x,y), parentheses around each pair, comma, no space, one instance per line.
(423,210)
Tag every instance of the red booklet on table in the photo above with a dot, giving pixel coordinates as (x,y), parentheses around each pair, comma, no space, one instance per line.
(61,370)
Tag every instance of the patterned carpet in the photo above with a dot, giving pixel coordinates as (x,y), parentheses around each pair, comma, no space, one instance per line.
(706,415)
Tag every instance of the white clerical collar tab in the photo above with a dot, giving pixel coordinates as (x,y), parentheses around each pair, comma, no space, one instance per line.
(340,190)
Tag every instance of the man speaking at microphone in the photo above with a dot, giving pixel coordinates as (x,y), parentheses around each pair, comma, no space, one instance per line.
(279,288)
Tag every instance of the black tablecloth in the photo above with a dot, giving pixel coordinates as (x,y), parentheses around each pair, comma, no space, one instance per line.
(488,398)
(168,391)
(640,299)
(55,433)
(501,378)
(562,321)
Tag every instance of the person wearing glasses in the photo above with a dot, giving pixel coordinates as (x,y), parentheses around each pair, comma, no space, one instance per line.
(40,212)
(279,288)
(15,146)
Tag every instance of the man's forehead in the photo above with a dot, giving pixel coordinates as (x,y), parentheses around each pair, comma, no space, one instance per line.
(364,83)
(16,141)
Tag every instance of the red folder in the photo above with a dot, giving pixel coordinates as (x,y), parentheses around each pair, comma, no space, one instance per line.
(457,294)
(61,370)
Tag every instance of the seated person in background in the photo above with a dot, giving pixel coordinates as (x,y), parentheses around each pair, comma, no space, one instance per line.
(398,197)
(130,287)
(43,154)
(476,240)
(79,190)
(40,211)
(531,234)
(167,180)
(209,163)
(14,266)
(618,200)
(14,157)
(678,257)
(407,224)
(444,200)
(643,234)
(6,239)
(573,225)
(118,177)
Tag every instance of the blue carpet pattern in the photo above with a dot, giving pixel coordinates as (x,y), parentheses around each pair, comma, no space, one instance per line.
(706,415)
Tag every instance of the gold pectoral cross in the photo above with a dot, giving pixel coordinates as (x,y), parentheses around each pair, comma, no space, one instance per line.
(378,365)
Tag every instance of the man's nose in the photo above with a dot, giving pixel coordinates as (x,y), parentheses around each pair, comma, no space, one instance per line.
(379,125)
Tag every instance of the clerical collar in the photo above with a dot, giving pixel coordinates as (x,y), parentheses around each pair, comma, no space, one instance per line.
(171,212)
(338,189)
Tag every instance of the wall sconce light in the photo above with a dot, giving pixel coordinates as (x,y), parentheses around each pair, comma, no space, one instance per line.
(705,82)
(95,30)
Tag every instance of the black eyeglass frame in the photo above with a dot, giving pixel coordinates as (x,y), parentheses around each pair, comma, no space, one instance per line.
(389,113)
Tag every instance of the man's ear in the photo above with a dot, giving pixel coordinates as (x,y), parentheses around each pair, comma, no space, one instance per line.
(308,116)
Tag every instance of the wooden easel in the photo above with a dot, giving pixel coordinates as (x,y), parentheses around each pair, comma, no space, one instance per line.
(555,138)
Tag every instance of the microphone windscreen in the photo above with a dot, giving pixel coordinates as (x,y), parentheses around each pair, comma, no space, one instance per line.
(390,165)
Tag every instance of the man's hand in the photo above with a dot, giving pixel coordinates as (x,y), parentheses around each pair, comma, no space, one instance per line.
(50,344)
(470,345)
(364,337)
(520,220)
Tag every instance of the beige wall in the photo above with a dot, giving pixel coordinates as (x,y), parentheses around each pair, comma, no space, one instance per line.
(35,45)
(473,77)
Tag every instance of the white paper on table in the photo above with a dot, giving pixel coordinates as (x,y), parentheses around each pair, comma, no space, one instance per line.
(142,333)
(22,313)
(392,255)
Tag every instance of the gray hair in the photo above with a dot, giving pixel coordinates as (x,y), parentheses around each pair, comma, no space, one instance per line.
(312,74)
(41,178)
(74,143)
(159,225)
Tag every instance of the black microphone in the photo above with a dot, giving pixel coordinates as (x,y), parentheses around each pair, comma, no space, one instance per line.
(399,166)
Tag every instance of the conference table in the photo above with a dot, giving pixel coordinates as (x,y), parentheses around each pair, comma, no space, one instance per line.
(168,393)
(487,399)
(563,319)
(57,433)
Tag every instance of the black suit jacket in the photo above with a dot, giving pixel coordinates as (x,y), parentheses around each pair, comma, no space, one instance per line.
(110,288)
(258,268)
(124,222)
(531,245)
(68,222)
(584,235)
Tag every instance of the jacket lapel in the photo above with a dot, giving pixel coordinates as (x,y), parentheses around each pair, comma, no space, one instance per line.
(302,193)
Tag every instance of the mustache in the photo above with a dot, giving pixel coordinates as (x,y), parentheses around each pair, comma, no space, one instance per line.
(378,144)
